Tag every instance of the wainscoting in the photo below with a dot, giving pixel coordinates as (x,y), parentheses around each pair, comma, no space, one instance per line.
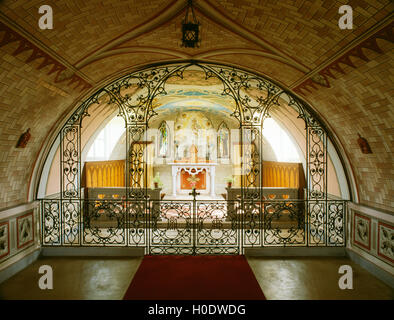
(104,174)
(371,237)
(19,238)
(283,174)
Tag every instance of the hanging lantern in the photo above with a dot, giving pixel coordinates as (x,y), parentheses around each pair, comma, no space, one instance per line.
(190,28)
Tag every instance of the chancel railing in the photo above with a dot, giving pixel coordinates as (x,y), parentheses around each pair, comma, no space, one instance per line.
(192,226)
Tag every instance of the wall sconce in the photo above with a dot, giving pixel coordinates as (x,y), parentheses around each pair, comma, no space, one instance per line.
(364,145)
(190,29)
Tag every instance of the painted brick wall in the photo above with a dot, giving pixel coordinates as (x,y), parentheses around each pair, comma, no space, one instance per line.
(28,99)
(362,102)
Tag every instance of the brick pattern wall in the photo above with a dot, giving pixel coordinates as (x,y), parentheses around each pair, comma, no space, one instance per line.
(105,67)
(28,99)
(213,36)
(305,30)
(275,70)
(80,25)
(362,102)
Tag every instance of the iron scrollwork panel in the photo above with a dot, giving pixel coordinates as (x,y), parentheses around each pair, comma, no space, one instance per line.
(136,162)
(251,93)
(138,212)
(216,231)
(70,161)
(250,211)
(317,222)
(51,222)
(316,163)
(284,223)
(135,92)
(317,185)
(336,223)
(71,222)
(251,157)
(104,223)
(250,215)
(172,228)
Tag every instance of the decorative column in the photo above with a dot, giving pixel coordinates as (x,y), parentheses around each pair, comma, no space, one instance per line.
(212,176)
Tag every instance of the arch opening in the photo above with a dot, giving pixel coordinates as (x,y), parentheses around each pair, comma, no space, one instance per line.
(166,114)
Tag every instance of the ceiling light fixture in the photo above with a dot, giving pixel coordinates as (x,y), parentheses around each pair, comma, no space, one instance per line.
(190,28)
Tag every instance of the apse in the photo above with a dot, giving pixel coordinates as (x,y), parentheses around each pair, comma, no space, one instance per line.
(192,128)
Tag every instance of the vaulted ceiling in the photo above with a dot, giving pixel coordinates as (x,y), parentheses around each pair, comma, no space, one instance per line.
(346,75)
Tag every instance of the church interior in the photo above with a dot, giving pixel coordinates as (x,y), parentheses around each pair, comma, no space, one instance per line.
(206,129)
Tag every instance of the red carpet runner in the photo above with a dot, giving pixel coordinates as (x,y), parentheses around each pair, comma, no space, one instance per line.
(194,278)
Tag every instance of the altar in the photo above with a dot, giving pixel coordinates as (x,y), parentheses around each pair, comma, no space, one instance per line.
(204,172)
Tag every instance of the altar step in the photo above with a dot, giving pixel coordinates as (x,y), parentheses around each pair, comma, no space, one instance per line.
(189,197)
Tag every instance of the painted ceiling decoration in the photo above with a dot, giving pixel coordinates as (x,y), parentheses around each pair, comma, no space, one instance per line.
(190,105)
(195,97)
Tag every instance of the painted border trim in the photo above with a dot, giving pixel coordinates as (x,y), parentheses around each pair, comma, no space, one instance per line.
(369,231)
(8,238)
(17,230)
(378,244)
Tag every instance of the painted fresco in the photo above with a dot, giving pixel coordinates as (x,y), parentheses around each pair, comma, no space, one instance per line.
(194,132)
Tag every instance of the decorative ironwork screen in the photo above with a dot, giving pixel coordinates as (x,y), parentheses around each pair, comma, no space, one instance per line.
(193,227)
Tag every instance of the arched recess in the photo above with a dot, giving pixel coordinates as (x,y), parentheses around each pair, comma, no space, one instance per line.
(255,98)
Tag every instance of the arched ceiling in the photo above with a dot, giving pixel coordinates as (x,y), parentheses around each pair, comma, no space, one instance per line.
(286,39)
(346,75)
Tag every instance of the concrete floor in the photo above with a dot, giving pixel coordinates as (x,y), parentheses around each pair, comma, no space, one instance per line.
(108,278)
(310,278)
(74,278)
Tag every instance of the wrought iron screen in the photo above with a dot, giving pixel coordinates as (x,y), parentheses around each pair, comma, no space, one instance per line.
(193,226)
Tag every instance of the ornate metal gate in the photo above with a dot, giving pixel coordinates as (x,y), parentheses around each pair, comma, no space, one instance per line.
(194,227)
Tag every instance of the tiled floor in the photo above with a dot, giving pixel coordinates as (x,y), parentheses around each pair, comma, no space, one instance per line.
(279,278)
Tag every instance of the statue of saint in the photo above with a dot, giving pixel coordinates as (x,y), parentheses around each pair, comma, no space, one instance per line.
(223,142)
(193,154)
(195,127)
